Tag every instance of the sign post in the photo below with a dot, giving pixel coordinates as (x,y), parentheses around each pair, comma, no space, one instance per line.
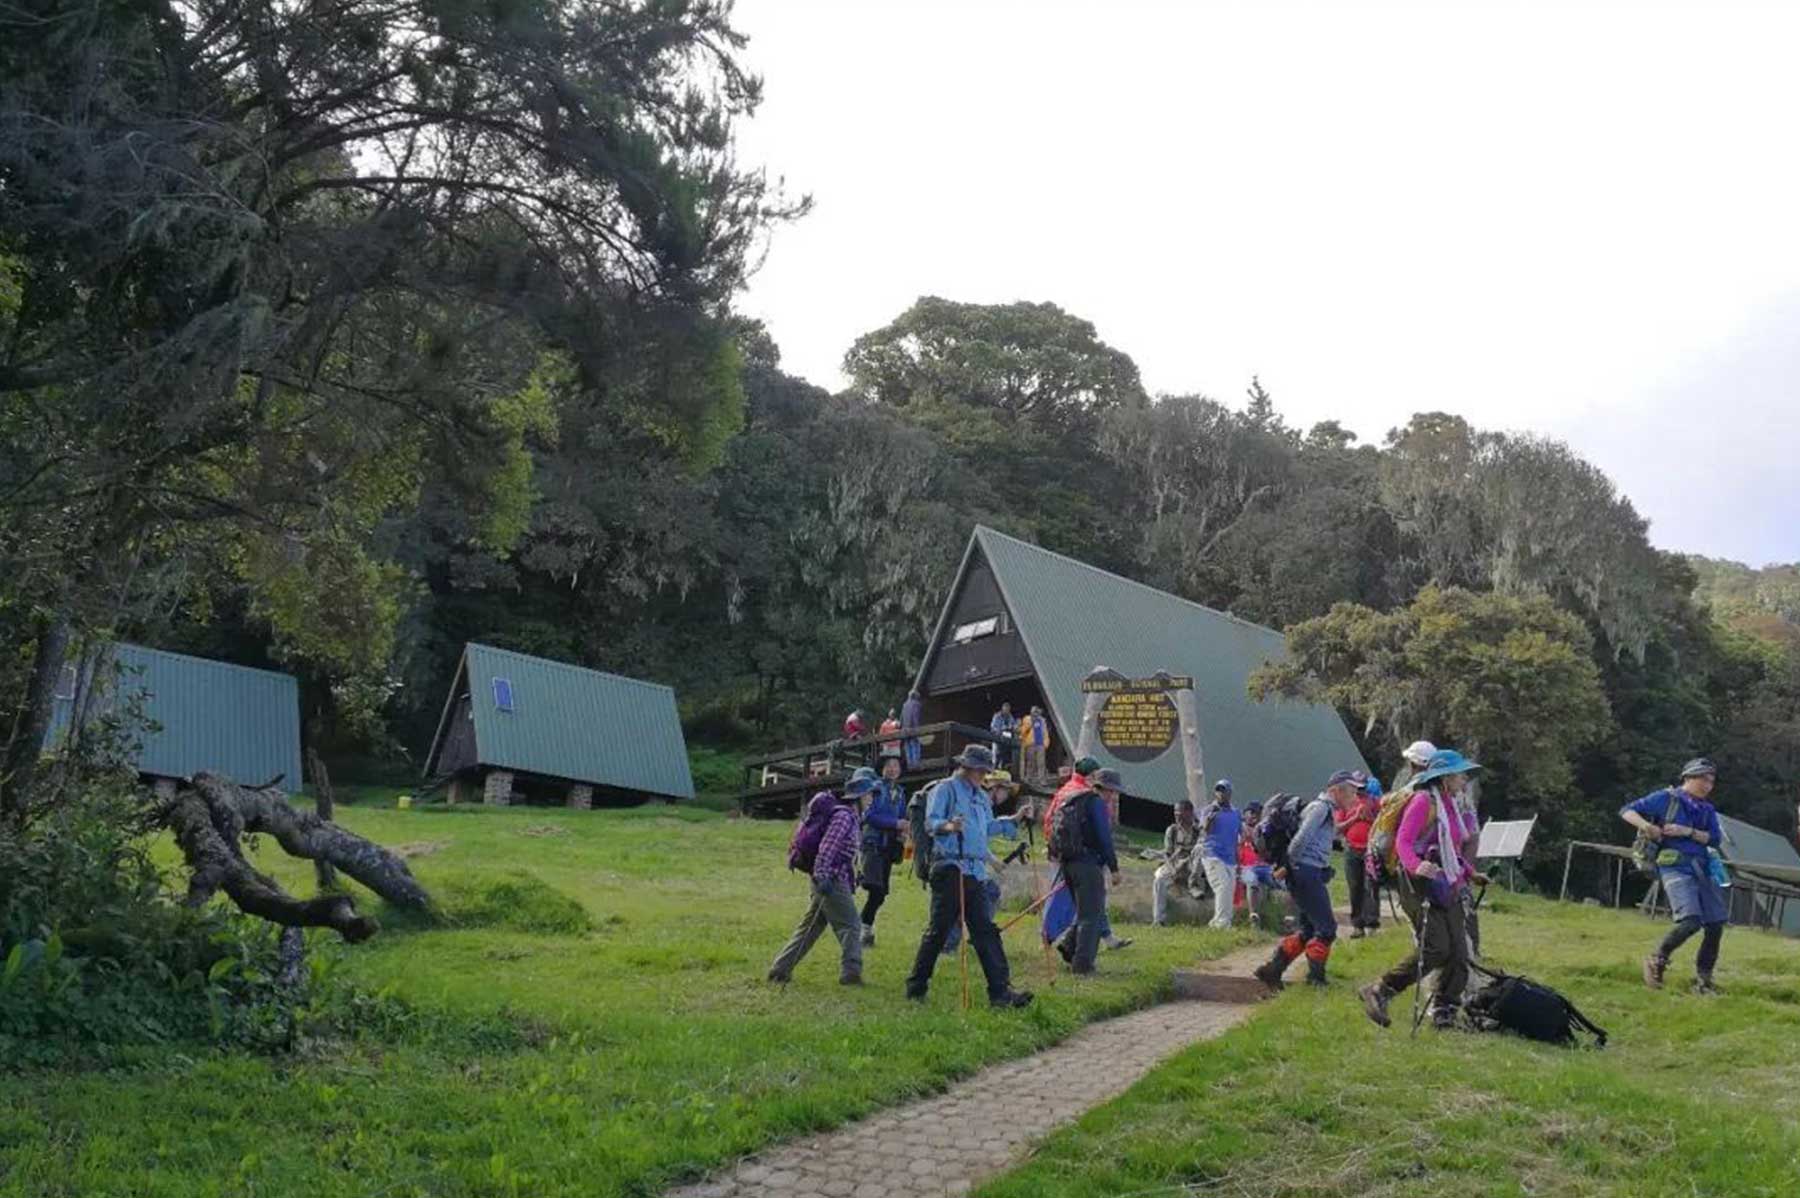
(1137,720)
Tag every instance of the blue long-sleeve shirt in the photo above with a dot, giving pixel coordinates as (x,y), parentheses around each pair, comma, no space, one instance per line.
(886,810)
(1689,813)
(1311,844)
(968,851)
(911,713)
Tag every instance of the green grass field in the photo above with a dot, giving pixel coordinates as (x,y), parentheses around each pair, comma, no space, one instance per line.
(596,1024)
(1693,1096)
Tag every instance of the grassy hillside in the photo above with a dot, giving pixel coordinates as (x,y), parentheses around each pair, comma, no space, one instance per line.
(1693,1097)
(596,1024)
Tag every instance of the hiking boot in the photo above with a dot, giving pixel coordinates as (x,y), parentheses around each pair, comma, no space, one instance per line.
(1012,1000)
(868,936)
(1653,971)
(1443,1018)
(1357,933)
(916,996)
(779,978)
(1269,972)
(1315,973)
(1703,984)
(1375,1000)
(1118,942)
(850,979)
(1255,920)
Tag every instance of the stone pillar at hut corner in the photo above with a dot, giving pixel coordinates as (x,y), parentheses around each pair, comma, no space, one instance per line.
(1187,711)
(581,796)
(497,790)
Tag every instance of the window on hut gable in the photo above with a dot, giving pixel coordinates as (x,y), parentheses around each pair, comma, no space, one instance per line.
(974,630)
(503,694)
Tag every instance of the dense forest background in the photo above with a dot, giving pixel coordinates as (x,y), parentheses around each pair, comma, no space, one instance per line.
(799,572)
(441,347)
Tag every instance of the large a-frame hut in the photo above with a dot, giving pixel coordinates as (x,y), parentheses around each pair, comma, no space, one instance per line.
(1024,625)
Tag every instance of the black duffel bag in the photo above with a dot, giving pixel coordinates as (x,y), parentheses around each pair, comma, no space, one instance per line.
(1517,1004)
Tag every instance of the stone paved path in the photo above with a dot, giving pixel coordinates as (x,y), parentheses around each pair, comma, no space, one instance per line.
(878,1157)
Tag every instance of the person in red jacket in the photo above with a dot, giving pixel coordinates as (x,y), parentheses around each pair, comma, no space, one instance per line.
(1353,825)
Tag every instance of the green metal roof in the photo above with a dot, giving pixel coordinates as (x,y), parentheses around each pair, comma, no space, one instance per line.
(1073,617)
(209,715)
(579,724)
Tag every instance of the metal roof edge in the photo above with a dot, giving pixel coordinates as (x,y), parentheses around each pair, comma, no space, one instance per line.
(1012,610)
(568,665)
(1211,611)
(202,661)
(462,668)
(937,630)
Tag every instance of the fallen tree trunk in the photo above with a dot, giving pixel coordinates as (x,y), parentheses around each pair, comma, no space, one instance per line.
(211,816)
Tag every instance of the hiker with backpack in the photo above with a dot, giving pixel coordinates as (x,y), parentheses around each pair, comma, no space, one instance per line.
(1308,853)
(1220,829)
(881,845)
(1682,829)
(824,846)
(1001,789)
(959,820)
(1180,859)
(1081,843)
(1433,871)
(1353,825)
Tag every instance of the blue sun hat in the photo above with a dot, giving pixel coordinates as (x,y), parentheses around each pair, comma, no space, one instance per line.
(861,783)
(1443,763)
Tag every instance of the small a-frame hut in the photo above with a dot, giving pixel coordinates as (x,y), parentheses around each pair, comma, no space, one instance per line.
(519,727)
(198,715)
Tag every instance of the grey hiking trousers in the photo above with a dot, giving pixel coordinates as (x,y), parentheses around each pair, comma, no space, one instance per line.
(837,907)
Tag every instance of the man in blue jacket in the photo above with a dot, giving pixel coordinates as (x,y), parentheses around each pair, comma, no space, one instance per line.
(881,845)
(1082,871)
(1683,821)
(960,819)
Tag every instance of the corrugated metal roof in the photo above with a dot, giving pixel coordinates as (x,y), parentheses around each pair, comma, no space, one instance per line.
(579,724)
(1073,616)
(1747,844)
(211,715)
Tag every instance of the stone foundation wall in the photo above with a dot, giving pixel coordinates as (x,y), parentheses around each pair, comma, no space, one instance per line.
(496,791)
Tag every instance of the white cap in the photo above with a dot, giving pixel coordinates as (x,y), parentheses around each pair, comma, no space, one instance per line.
(1420,752)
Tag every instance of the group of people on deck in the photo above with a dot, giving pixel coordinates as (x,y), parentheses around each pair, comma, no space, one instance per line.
(1419,841)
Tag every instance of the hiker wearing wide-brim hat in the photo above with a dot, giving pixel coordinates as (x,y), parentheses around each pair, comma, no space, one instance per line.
(959,818)
(1434,874)
(1684,825)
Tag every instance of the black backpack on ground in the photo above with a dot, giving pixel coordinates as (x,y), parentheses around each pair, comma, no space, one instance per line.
(1511,1003)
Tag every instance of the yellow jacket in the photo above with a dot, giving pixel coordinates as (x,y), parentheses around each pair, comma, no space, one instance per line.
(1030,725)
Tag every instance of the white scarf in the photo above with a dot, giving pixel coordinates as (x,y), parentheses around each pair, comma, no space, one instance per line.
(1449,836)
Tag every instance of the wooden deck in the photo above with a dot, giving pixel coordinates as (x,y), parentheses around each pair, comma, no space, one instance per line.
(777,784)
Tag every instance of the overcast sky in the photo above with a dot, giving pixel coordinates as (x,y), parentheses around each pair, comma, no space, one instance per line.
(1578,219)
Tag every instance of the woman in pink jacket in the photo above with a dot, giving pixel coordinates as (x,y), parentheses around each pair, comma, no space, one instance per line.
(1433,874)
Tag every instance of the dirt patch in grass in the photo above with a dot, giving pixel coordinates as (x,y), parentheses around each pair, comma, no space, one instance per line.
(544,830)
(419,848)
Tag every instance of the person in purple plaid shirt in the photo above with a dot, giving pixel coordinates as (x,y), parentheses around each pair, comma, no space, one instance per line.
(833,893)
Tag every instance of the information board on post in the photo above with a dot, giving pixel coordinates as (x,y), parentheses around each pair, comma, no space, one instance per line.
(1138,720)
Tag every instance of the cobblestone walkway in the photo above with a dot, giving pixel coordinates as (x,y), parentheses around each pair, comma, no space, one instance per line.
(879,1157)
